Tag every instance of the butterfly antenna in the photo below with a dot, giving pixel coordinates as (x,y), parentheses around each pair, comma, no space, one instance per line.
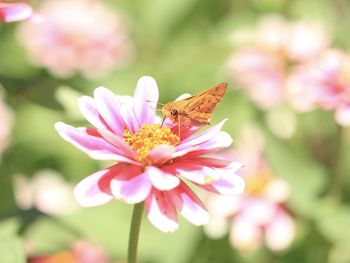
(161,104)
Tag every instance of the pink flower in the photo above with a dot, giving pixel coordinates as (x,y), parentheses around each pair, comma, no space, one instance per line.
(13,12)
(262,67)
(323,82)
(259,215)
(80,36)
(81,251)
(296,41)
(260,72)
(152,161)
(46,191)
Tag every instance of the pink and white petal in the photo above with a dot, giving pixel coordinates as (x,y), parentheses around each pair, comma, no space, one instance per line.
(109,108)
(13,12)
(94,189)
(131,185)
(234,166)
(161,154)
(90,142)
(211,162)
(162,179)
(228,184)
(221,141)
(245,235)
(189,205)
(342,115)
(129,118)
(146,96)
(161,212)
(185,131)
(259,210)
(88,109)
(196,173)
(280,232)
(119,143)
(201,137)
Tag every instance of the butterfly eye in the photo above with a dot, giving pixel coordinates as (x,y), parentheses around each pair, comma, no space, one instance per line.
(173,112)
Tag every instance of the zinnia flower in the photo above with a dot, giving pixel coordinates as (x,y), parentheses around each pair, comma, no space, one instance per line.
(259,215)
(323,82)
(80,36)
(13,12)
(46,191)
(261,69)
(152,161)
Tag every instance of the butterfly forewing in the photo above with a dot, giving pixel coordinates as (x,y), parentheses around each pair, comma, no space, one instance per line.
(196,110)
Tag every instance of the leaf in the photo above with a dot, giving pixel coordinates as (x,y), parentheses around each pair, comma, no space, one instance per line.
(305,176)
(68,97)
(11,247)
(12,251)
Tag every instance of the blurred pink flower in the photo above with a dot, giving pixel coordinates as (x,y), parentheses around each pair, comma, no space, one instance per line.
(259,215)
(295,41)
(323,82)
(46,191)
(13,12)
(260,72)
(261,68)
(152,160)
(82,251)
(6,122)
(77,36)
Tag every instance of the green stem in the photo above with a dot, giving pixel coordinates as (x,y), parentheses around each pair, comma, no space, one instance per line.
(134,232)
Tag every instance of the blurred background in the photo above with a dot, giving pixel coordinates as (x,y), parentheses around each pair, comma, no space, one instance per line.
(288,106)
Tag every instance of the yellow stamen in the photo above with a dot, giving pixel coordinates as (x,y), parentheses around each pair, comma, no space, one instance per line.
(256,184)
(149,137)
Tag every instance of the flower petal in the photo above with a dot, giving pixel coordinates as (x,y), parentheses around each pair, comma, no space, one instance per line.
(161,154)
(221,141)
(119,143)
(13,12)
(201,137)
(90,142)
(131,185)
(228,184)
(161,212)
(245,235)
(342,115)
(280,231)
(88,109)
(189,205)
(130,120)
(146,97)
(195,172)
(162,179)
(109,108)
(94,189)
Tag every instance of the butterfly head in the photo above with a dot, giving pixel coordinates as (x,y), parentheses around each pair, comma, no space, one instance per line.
(170,111)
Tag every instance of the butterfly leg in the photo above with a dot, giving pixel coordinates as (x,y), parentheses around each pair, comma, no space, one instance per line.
(161,125)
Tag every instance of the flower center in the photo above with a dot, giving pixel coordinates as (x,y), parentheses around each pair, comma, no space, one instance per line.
(256,184)
(149,137)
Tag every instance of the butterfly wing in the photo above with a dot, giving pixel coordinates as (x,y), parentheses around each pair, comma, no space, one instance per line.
(200,107)
(196,110)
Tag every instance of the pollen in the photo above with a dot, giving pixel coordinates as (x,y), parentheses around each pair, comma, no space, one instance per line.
(149,137)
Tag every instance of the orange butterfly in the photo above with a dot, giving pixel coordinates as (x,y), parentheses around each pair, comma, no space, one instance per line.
(196,110)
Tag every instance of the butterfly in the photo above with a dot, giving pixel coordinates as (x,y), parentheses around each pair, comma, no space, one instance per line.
(196,110)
